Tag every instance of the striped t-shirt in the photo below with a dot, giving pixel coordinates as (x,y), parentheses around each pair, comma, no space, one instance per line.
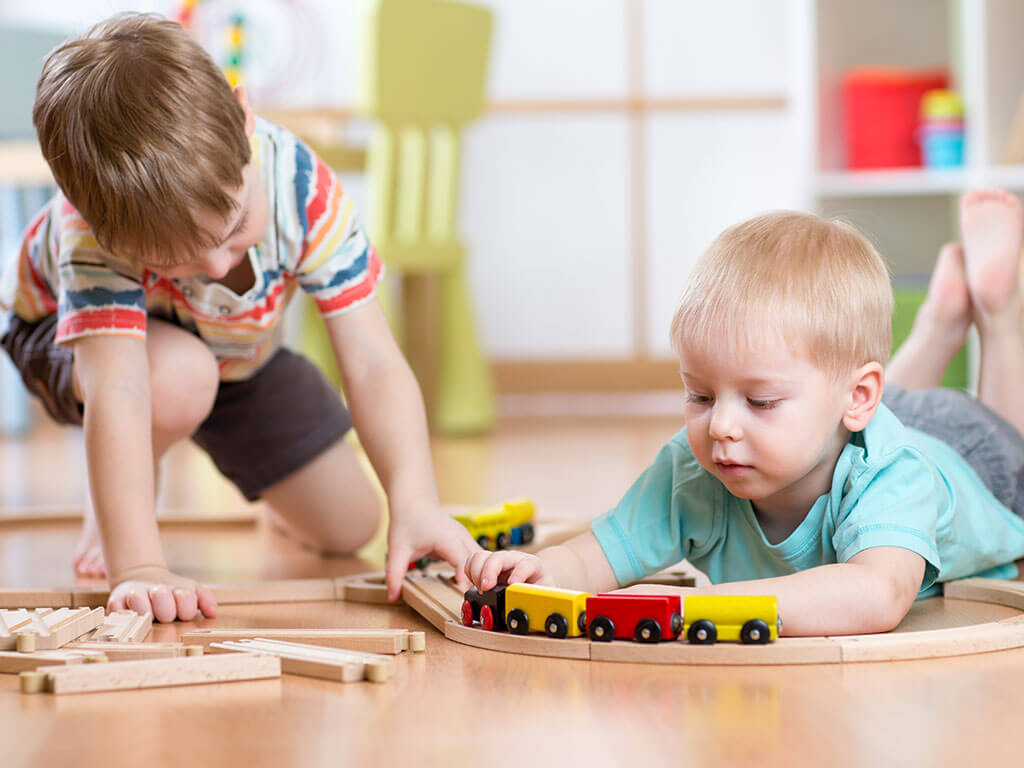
(313,239)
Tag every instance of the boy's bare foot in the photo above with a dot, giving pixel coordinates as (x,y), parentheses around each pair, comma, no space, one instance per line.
(88,559)
(992,224)
(940,327)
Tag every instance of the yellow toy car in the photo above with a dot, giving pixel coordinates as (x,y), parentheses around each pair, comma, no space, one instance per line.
(500,527)
(736,618)
(555,612)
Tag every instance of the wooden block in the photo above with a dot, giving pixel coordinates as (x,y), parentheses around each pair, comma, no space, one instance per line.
(32,682)
(530,645)
(116,651)
(123,626)
(70,627)
(26,642)
(417,642)
(158,673)
(34,598)
(785,650)
(370,640)
(1007,593)
(12,662)
(290,591)
(318,661)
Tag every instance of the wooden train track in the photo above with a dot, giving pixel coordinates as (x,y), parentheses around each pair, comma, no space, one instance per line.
(435,597)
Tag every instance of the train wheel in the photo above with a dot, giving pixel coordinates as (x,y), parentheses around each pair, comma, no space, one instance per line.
(601,629)
(702,632)
(755,632)
(518,622)
(487,617)
(527,533)
(467,613)
(484,542)
(556,626)
(676,623)
(581,622)
(647,631)
(502,541)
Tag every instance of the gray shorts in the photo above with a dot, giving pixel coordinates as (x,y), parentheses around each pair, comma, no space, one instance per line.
(990,444)
(259,431)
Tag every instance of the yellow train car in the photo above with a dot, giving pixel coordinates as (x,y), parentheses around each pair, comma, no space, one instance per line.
(555,612)
(500,527)
(751,619)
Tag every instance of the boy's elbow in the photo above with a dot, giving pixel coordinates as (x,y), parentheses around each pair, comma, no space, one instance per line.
(894,601)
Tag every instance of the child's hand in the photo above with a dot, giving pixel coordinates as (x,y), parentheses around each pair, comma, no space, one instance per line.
(488,569)
(160,592)
(425,531)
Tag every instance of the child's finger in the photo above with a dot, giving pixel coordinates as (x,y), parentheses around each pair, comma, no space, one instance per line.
(398,564)
(164,607)
(139,602)
(186,604)
(526,571)
(497,563)
(116,603)
(206,600)
(473,565)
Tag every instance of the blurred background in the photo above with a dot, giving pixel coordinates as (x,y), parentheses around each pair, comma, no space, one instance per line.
(608,143)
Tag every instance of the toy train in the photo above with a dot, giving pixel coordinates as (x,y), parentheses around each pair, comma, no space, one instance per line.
(523,608)
(510,525)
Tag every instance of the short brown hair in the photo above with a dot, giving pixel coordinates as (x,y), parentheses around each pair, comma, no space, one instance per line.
(140,129)
(818,283)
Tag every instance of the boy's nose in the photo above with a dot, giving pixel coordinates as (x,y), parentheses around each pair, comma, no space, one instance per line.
(724,425)
(217,263)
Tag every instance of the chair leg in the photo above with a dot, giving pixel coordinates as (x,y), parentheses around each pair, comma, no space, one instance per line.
(465,389)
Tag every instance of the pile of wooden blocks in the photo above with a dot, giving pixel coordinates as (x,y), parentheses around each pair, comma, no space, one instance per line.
(58,650)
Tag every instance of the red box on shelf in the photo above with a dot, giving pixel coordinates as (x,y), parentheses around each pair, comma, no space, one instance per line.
(882,115)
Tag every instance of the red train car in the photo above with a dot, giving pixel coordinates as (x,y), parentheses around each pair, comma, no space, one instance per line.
(644,618)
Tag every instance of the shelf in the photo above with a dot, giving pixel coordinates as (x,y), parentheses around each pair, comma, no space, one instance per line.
(898,181)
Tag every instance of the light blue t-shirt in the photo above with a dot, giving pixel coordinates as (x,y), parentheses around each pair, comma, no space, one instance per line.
(893,486)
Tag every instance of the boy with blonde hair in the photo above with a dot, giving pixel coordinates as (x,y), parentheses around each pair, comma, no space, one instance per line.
(792,476)
(146,304)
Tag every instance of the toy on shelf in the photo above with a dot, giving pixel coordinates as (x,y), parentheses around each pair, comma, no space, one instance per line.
(746,619)
(941,132)
(881,119)
(644,618)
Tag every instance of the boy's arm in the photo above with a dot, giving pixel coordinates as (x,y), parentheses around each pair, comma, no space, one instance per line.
(871,592)
(388,413)
(112,374)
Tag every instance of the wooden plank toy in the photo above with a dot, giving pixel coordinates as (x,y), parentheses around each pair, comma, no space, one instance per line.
(390,641)
(13,662)
(316,660)
(45,629)
(123,627)
(151,673)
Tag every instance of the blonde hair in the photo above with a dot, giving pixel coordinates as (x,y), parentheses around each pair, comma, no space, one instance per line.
(141,129)
(817,283)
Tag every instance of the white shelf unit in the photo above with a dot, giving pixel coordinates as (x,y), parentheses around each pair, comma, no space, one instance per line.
(910,212)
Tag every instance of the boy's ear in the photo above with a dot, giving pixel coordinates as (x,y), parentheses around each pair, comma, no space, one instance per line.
(867,383)
(250,121)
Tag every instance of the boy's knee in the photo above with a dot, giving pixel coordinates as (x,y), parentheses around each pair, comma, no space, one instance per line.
(183,383)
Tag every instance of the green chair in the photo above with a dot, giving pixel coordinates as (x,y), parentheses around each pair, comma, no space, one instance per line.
(423,79)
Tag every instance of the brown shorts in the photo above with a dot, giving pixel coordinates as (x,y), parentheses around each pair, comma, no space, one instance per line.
(260,430)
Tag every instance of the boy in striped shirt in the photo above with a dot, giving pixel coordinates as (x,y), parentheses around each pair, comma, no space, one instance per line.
(146,305)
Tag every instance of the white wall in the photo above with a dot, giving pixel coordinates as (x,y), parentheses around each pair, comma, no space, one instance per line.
(545,204)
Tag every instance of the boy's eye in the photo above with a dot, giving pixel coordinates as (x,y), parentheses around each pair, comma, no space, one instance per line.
(693,397)
(765,404)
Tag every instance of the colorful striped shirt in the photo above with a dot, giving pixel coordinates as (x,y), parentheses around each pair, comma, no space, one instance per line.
(313,239)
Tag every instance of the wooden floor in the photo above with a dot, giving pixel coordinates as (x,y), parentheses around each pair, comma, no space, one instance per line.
(456,705)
